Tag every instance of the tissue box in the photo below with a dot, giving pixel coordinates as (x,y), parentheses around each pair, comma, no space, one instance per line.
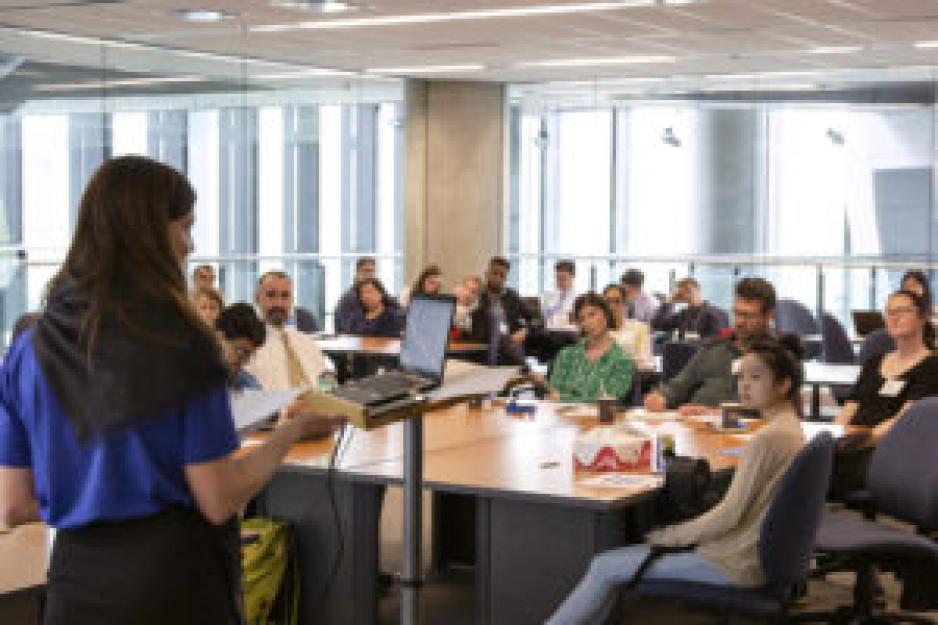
(610,449)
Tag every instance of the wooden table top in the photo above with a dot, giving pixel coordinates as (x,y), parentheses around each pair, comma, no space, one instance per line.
(384,345)
(487,450)
(24,558)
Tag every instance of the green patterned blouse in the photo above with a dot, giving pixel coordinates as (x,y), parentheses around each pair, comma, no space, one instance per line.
(578,379)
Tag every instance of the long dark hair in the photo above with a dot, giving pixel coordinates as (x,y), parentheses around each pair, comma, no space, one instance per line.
(118,340)
(782,355)
(430,270)
(918,276)
(385,298)
(121,254)
(923,309)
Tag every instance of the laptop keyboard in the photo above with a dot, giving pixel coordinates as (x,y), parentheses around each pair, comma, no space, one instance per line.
(382,388)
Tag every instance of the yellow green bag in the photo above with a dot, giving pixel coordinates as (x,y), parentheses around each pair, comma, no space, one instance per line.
(270,579)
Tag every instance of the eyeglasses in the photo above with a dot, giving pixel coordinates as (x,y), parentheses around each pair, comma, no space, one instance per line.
(900,312)
(277,293)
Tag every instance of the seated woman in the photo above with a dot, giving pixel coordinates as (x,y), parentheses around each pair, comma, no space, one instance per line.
(634,337)
(242,333)
(595,365)
(378,314)
(727,536)
(429,282)
(208,304)
(887,385)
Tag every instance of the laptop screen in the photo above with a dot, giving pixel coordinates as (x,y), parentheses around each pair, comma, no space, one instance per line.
(426,335)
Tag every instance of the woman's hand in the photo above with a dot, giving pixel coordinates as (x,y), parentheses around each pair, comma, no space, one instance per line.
(309,423)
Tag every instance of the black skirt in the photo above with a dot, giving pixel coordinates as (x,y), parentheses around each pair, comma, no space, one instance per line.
(174,567)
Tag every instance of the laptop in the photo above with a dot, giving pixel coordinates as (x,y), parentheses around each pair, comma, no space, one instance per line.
(421,363)
(866,321)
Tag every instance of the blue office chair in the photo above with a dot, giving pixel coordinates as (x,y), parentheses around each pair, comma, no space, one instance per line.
(836,346)
(793,317)
(876,342)
(674,356)
(786,544)
(903,482)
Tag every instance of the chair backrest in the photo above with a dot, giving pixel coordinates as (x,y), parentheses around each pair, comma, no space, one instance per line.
(835,342)
(675,356)
(794,317)
(786,541)
(876,342)
(903,472)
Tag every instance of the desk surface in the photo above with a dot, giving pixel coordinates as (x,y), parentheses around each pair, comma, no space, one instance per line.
(829,373)
(383,345)
(475,450)
(24,557)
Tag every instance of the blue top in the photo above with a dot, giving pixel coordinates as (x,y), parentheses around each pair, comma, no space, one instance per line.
(136,473)
(389,323)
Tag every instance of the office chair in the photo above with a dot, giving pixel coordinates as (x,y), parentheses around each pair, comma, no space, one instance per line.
(836,349)
(786,544)
(675,356)
(876,342)
(793,317)
(903,483)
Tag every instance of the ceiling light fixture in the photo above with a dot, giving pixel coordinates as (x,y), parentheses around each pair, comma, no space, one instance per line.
(108,84)
(835,49)
(321,6)
(203,16)
(450,16)
(609,60)
(926,44)
(426,69)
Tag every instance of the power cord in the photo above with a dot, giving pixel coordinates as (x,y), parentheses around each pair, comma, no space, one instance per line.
(338,451)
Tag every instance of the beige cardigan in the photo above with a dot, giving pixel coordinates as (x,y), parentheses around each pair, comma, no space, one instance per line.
(728,534)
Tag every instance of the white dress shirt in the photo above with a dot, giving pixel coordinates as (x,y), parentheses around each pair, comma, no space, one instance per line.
(557,307)
(269,363)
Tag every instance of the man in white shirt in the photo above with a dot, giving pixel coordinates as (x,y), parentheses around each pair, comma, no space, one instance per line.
(288,358)
(639,305)
(558,305)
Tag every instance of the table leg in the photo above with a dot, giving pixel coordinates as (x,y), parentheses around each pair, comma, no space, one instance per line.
(413,520)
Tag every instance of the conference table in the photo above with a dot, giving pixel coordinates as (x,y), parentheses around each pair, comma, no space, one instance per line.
(537,522)
(818,374)
(384,346)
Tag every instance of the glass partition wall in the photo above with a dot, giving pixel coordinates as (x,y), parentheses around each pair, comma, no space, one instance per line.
(830,197)
(293,169)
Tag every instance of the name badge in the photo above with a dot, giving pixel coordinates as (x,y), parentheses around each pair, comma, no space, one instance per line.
(891,388)
(736,366)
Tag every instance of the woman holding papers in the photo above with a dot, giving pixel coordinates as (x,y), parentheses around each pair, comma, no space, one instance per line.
(115,424)
(595,366)
(726,537)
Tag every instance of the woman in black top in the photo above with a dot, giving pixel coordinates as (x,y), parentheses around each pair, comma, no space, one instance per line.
(888,384)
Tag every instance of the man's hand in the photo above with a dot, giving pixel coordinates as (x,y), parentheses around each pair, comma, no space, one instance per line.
(655,402)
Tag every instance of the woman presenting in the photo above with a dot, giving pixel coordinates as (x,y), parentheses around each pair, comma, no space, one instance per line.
(115,424)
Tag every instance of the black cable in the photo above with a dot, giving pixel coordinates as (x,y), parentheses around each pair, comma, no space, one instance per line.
(337,451)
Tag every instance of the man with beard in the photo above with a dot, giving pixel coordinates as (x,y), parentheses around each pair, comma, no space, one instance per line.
(289,358)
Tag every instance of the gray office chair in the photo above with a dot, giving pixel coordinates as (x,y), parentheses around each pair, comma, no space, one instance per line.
(903,482)
(786,544)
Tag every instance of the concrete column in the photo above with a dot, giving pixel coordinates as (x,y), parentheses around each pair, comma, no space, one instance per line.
(732,166)
(454,175)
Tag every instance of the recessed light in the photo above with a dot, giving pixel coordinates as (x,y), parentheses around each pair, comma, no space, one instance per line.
(426,69)
(835,49)
(926,44)
(203,16)
(595,62)
(318,6)
(450,16)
